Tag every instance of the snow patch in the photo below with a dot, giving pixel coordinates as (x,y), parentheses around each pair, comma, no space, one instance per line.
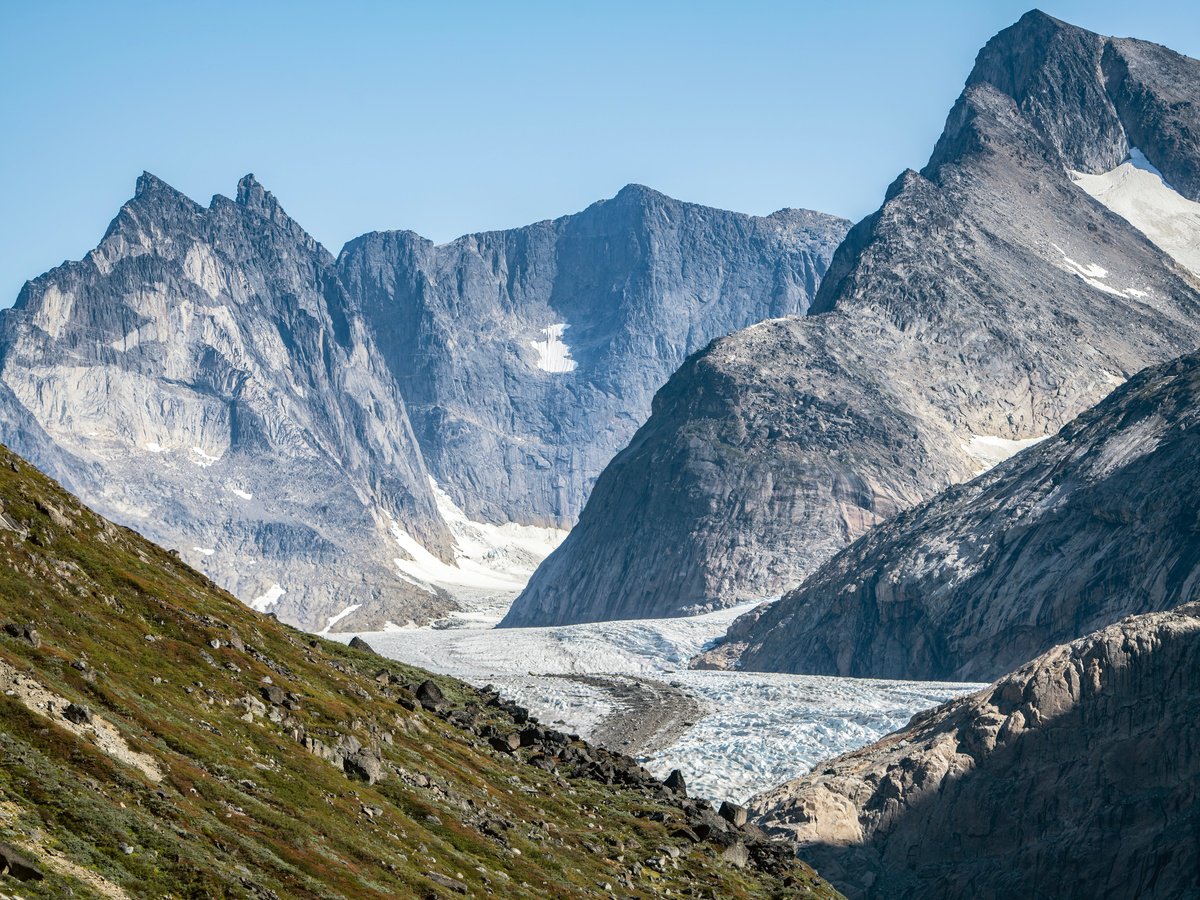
(989,450)
(1092,274)
(207,551)
(333,620)
(204,460)
(553,354)
(156,447)
(489,560)
(238,492)
(1137,192)
(264,602)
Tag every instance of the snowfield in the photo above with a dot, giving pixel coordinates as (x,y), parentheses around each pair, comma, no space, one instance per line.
(264,602)
(1136,191)
(553,355)
(990,451)
(492,563)
(758,730)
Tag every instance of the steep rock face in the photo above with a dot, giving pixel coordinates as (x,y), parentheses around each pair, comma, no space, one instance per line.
(528,358)
(987,302)
(1096,523)
(203,377)
(1076,777)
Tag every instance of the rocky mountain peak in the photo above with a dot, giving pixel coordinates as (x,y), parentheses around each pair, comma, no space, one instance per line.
(640,194)
(149,184)
(252,195)
(256,199)
(564,330)
(988,301)
(1051,72)
(196,369)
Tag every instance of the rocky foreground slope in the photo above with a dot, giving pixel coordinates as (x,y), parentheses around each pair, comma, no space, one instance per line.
(527,358)
(159,739)
(988,301)
(1077,776)
(1096,523)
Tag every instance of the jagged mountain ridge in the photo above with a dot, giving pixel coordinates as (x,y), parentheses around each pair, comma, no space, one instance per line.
(631,286)
(203,376)
(212,377)
(1074,777)
(160,739)
(1096,523)
(987,302)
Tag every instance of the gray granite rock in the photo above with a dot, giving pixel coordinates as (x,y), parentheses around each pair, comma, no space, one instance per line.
(1077,776)
(1096,523)
(639,282)
(203,377)
(966,306)
(212,377)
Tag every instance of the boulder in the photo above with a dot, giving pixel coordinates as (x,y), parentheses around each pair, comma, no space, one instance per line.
(274,694)
(676,783)
(430,695)
(17,865)
(733,814)
(508,743)
(364,765)
(735,854)
(24,632)
(77,713)
(452,884)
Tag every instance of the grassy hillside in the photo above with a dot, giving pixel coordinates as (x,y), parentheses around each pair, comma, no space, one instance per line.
(159,739)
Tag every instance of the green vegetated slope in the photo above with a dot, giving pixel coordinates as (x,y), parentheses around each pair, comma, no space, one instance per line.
(159,739)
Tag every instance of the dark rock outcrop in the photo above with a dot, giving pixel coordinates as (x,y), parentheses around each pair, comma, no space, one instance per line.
(357,643)
(1077,776)
(1096,523)
(988,301)
(17,865)
(430,695)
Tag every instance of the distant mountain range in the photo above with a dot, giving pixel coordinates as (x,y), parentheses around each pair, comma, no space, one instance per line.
(348,442)
(1045,254)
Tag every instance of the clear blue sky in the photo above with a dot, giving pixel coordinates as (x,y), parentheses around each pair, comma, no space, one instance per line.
(454,117)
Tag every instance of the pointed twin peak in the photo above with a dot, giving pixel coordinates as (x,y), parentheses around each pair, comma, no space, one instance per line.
(148,183)
(254,197)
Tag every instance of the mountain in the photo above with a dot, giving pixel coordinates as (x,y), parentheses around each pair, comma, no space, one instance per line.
(215,379)
(161,739)
(1096,523)
(203,376)
(988,301)
(529,357)
(1074,777)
